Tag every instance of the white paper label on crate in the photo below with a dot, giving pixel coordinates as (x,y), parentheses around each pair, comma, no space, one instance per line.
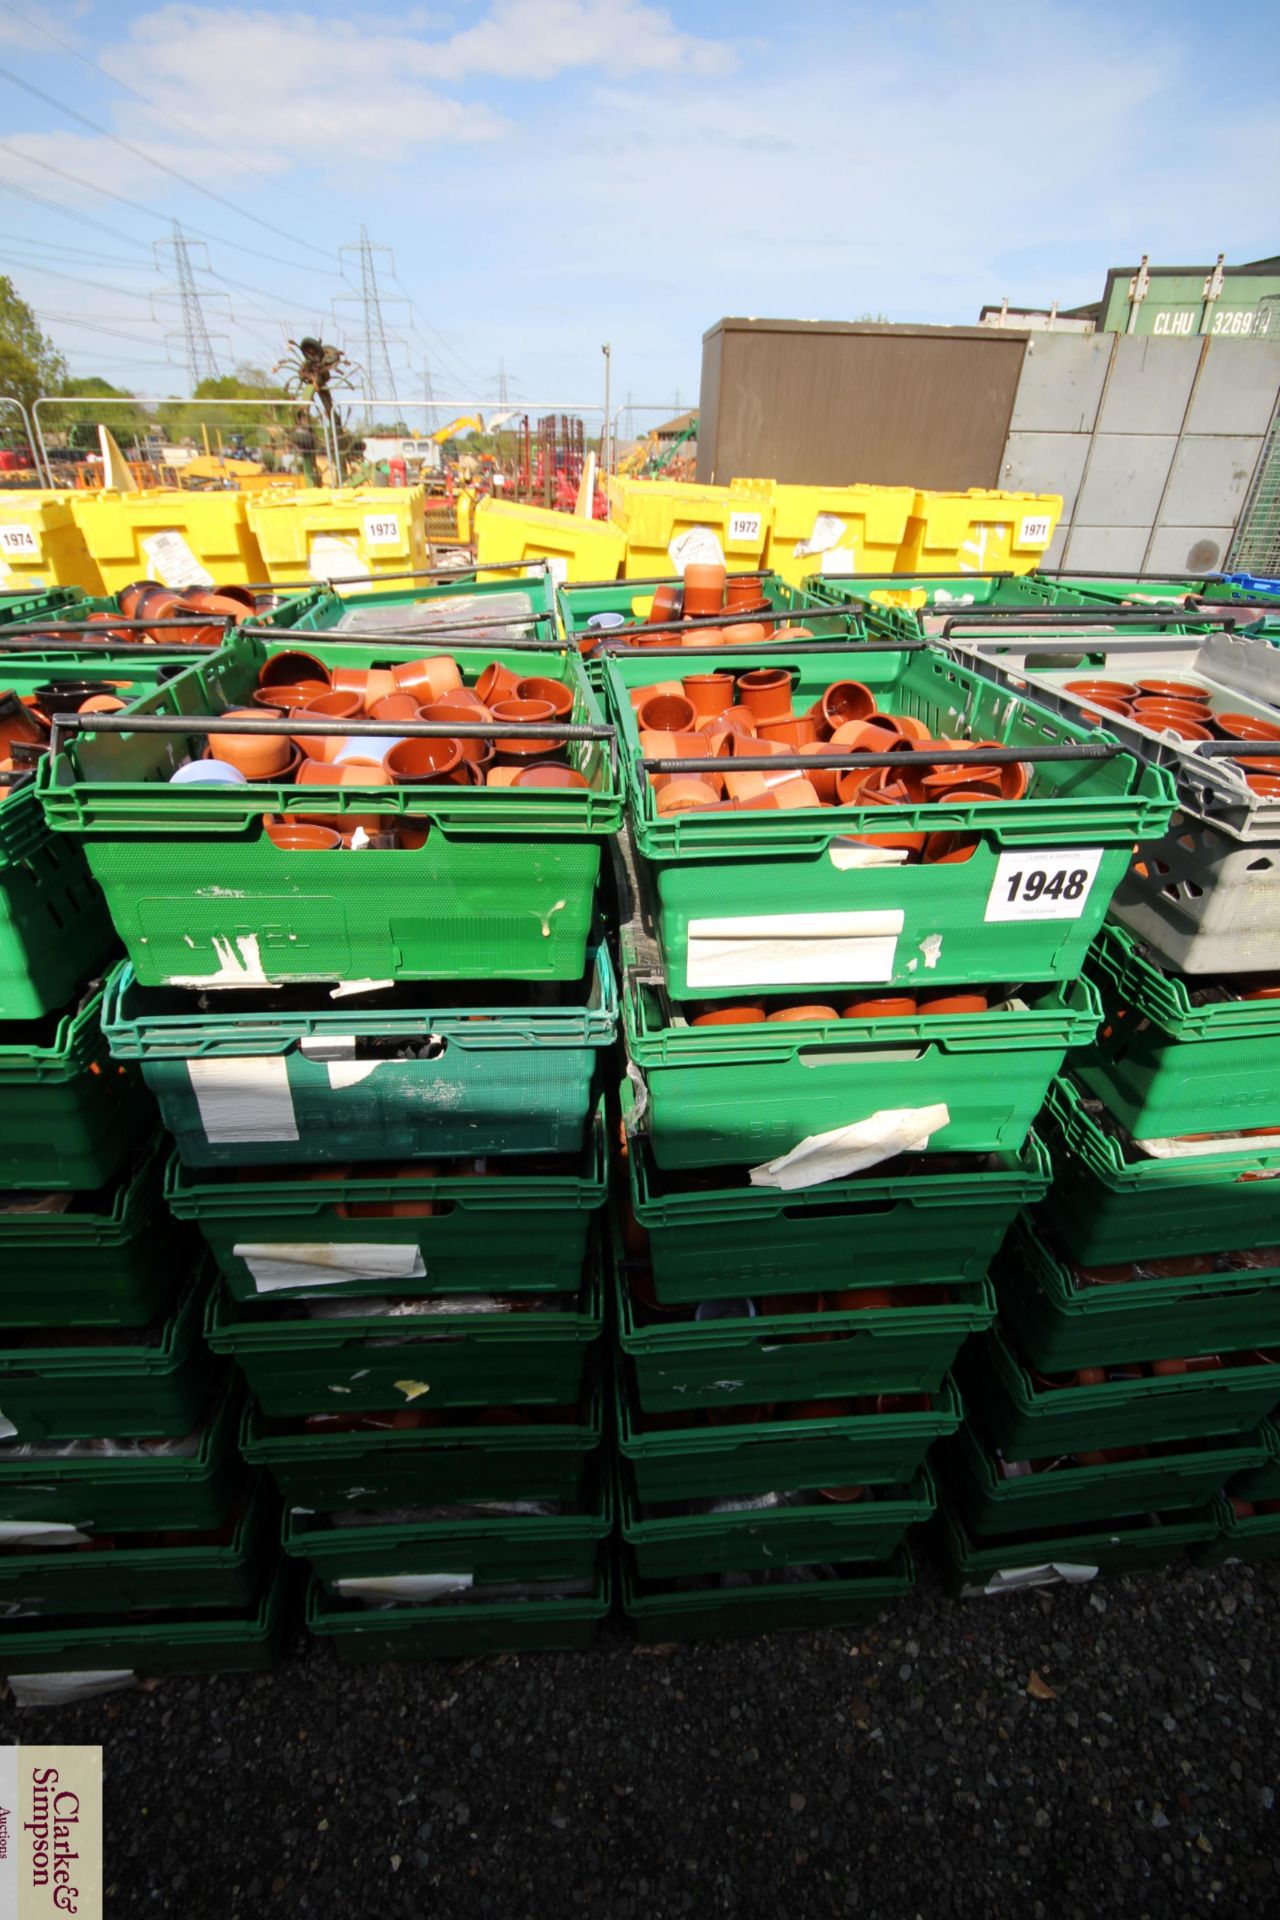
(244,1099)
(19,543)
(405,1586)
(744,529)
(1050,1573)
(381,530)
(700,545)
(1175,1149)
(1034,530)
(63,1689)
(843,1151)
(45,1533)
(827,531)
(332,558)
(793,949)
(1048,884)
(840,561)
(7,1428)
(172,561)
(318,1263)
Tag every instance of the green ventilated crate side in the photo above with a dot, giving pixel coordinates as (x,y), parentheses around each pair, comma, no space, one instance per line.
(1241,1537)
(20,605)
(191,1640)
(131,1384)
(294,1236)
(720,1096)
(1164,1066)
(881,1228)
(744,1359)
(1107,1208)
(1060,1326)
(297,1365)
(1263,1482)
(482,1456)
(431,614)
(1130,1544)
(916,603)
(494,1077)
(69,1116)
(502,887)
(145,1571)
(1165,1478)
(836,1596)
(458,1632)
(1030,1417)
(187,1488)
(807,1531)
(757,903)
(108,1261)
(836,1443)
(487,1550)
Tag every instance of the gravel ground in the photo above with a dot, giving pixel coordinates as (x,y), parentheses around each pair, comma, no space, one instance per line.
(903,1769)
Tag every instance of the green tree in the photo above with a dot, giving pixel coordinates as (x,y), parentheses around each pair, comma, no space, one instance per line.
(80,423)
(30,364)
(182,419)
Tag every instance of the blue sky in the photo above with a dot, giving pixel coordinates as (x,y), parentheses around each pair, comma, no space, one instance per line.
(551,174)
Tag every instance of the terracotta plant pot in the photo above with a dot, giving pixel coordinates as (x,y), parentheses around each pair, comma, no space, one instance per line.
(794,734)
(18,724)
(703,588)
(1170,720)
(948,849)
(496,683)
(1101,689)
(766,693)
(746,633)
(103,703)
(417,763)
(459,713)
(795,793)
(897,1006)
(257,755)
(1103,704)
(1245,726)
(1265,785)
(287,669)
(664,607)
(292,836)
(816,1012)
(1182,690)
(954,1003)
(554,691)
(749,1014)
(743,590)
(394,708)
(430,678)
(685,793)
(548,774)
(709,694)
(639,695)
(532,713)
(289,699)
(847,700)
(666,713)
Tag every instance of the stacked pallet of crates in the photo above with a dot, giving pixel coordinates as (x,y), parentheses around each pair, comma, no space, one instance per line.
(1126,1385)
(132,1542)
(377,1063)
(819,1168)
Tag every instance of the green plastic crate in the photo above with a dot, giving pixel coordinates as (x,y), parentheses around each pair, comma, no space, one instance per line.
(1263,1483)
(54,926)
(889,1227)
(841,1596)
(245,1640)
(733,1095)
(857,1447)
(517,1230)
(762,902)
(133,1385)
(434,614)
(918,603)
(1107,1206)
(297,1365)
(144,1570)
(462,1456)
(69,1118)
(579,602)
(1030,1421)
(750,1362)
(108,1261)
(1060,1326)
(186,1489)
(672,1544)
(1130,1544)
(21,604)
(1164,1066)
(502,888)
(1246,1537)
(1166,1478)
(510,1072)
(367,1634)
(489,1549)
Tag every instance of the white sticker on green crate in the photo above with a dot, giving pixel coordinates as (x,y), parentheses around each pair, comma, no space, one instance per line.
(44,1533)
(424,1587)
(244,1099)
(7,1428)
(1046,884)
(1034,530)
(744,529)
(19,543)
(381,530)
(793,949)
(172,562)
(322,1263)
(700,545)
(1050,1573)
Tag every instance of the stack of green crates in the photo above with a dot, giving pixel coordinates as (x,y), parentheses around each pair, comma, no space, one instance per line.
(392,1142)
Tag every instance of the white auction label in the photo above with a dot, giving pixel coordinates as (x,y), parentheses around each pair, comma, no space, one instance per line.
(1048,884)
(20,542)
(744,528)
(697,545)
(173,563)
(381,530)
(1034,530)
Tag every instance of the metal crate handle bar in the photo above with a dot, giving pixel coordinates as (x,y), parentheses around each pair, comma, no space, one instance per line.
(767,649)
(945,756)
(469,633)
(1119,644)
(1101,573)
(531,569)
(27,629)
(776,617)
(1072,618)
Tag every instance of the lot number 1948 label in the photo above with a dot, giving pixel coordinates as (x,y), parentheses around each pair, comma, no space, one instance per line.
(1052,885)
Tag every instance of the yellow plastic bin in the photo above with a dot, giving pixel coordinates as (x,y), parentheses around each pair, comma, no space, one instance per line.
(832,530)
(576,548)
(180,538)
(981,531)
(40,543)
(667,523)
(331,533)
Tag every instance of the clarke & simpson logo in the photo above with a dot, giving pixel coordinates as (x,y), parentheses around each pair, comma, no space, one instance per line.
(50,1833)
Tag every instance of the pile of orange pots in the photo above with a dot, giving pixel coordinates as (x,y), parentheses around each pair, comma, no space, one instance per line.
(750,715)
(716,611)
(887,1006)
(1186,709)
